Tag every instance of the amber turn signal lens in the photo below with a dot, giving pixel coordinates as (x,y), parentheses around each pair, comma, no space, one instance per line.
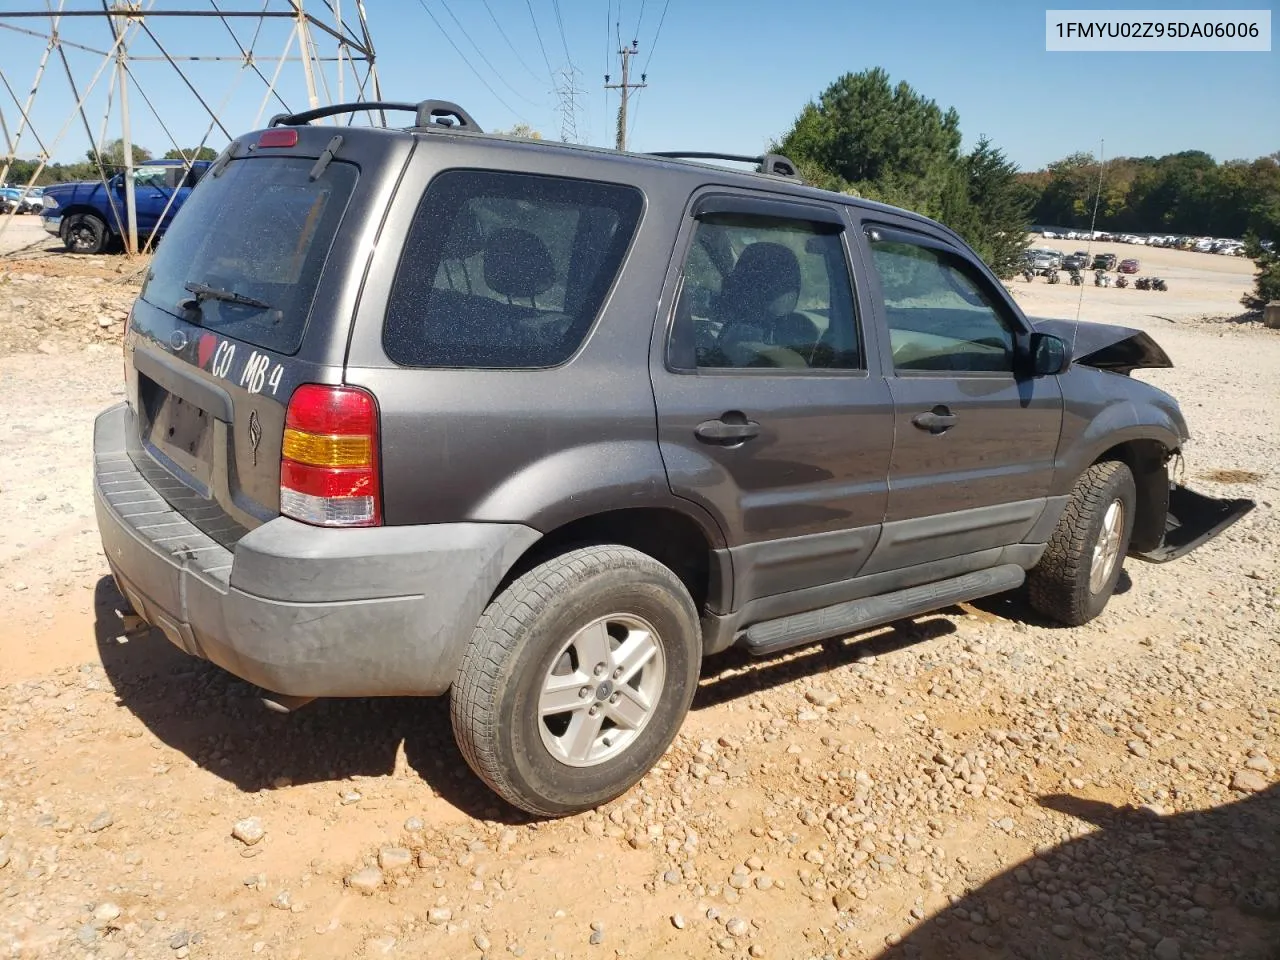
(321,450)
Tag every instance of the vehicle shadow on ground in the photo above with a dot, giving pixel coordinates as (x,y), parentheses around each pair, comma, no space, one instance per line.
(218,721)
(1016,606)
(1208,880)
(736,673)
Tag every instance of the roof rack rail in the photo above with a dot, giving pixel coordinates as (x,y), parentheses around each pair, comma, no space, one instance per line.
(428,114)
(774,164)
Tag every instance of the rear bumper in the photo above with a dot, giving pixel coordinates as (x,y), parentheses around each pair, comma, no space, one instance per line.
(1192,521)
(295,609)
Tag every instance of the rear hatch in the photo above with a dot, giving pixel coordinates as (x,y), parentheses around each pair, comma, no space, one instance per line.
(250,294)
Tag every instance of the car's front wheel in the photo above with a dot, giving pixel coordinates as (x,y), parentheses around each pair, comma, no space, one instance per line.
(84,233)
(577,678)
(1078,573)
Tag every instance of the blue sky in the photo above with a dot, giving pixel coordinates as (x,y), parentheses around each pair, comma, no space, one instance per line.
(722,76)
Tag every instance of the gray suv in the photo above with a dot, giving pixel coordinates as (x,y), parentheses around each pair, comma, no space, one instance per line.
(427,411)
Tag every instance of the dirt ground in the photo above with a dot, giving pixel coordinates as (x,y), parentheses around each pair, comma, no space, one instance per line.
(973,784)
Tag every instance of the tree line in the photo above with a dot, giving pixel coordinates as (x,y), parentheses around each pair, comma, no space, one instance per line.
(95,164)
(1185,193)
(866,136)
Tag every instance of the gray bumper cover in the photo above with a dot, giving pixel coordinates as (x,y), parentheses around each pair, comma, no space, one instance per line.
(295,609)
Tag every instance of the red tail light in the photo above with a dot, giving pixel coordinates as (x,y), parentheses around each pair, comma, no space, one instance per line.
(329,461)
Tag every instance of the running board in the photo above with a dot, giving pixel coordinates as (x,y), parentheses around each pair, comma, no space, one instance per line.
(770,636)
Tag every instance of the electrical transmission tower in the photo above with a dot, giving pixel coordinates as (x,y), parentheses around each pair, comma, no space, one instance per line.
(626,86)
(567,92)
(121,58)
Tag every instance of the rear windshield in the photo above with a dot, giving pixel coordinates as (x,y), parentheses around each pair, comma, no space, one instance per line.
(506,270)
(260,231)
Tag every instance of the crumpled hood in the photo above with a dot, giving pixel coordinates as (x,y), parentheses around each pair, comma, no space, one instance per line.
(1107,346)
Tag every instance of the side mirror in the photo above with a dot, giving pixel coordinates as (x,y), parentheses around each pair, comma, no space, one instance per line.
(1049,355)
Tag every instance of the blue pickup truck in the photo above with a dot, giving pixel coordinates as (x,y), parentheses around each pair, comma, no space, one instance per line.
(89,215)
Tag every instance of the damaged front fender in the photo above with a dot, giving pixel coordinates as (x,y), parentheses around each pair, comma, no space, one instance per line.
(1108,347)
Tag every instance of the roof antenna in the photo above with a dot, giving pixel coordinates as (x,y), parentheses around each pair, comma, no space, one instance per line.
(1088,250)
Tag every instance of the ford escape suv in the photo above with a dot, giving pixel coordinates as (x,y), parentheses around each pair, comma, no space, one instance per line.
(426,411)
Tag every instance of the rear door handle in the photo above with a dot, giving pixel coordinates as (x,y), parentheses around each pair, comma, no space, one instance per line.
(735,430)
(937,420)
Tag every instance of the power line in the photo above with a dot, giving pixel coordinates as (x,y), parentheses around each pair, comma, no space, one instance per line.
(654,46)
(639,20)
(508,39)
(470,65)
(538,34)
(608,43)
(497,73)
(555,4)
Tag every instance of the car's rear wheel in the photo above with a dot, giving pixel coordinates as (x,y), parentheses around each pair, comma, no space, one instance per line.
(576,679)
(1078,573)
(84,233)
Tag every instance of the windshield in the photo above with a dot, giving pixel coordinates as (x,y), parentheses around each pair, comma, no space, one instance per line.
(261,231)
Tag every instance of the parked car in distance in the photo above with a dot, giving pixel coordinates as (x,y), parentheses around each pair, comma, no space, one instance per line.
(1104,261)
(11,200)
(1043,259)
(302,482)
(90,216)
(1128,265)
(1077,261)
(33,200)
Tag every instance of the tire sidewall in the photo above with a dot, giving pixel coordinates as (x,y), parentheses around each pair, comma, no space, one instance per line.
(1119,486)
(93,223)
(643,593)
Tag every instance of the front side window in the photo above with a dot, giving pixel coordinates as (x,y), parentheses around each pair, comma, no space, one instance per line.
(150,176)
(940,318)
(766,292)
(506,270)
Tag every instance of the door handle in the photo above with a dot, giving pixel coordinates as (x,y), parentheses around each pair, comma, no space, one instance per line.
(938,420)
(731,431)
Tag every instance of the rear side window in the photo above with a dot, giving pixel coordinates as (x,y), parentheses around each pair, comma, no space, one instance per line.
(506,270)
(261,230)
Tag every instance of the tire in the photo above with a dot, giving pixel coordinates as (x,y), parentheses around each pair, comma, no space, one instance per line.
(85,233)
(1062,585)
(539,633)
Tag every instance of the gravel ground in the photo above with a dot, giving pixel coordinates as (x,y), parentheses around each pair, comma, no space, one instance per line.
(971,784)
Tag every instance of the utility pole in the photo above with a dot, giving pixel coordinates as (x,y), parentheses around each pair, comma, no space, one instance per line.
(626,86)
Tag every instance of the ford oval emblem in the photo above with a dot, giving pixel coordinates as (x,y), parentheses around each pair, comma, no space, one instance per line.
(177,340)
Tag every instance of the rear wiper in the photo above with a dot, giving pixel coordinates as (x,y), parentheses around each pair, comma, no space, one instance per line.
(203,291)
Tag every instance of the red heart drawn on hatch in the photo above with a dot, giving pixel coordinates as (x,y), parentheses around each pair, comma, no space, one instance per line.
(207,344)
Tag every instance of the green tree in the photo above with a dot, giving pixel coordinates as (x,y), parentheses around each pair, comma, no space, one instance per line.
(192,153)
(884,142)
(866,136)
(997,218)
(112,154)
(521,130)
(1266,287)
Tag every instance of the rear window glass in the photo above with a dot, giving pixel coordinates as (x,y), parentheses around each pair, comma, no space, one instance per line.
(506,270)
(262,231)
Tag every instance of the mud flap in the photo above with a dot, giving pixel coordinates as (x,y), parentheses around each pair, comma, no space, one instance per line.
(1193,520)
